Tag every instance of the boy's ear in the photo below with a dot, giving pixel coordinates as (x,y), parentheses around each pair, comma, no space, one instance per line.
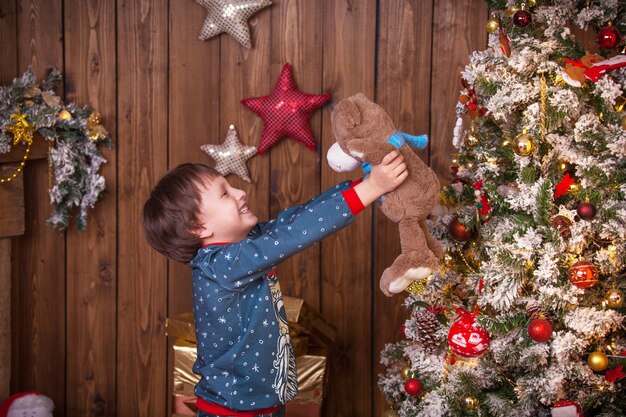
(202,232)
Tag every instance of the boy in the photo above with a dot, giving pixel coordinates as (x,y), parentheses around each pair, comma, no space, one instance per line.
(245,358)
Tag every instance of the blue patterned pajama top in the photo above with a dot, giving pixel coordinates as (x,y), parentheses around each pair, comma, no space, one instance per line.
(245,358)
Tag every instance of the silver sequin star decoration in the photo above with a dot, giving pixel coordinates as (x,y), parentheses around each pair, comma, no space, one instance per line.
(230,16)
(230,157)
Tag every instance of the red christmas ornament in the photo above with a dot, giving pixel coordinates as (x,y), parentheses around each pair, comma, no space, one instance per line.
(412,386)
(286,112)
(583,274)
(522,18)
(403,331)
(466,337)
(540,330)
(586,211)
(609,37)
(459,231)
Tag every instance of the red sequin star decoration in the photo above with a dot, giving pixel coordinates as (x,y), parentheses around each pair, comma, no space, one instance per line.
(286,112)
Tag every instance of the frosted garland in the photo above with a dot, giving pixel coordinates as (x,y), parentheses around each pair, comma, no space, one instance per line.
(75,159)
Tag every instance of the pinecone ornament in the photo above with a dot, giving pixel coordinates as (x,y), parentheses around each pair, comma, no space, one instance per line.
(427,325)
(563,225)
(536,311)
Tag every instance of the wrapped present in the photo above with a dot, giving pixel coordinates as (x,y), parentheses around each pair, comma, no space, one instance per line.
(185,355)
(303,319)
(311,378)
(184,380)
(300,342)
(311,383)
(181,326)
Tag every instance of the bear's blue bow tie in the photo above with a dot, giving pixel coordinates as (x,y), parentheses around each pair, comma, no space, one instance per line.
(398,139)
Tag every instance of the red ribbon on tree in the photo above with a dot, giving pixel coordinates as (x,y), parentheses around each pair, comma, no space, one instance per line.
(563,186)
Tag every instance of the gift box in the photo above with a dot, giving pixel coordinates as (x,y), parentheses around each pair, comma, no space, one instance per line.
(311,378)
(311,337)
(181,326)
(185,355)
(184,380)
(303,319)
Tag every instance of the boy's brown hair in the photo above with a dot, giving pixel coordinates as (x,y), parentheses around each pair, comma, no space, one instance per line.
(170,213)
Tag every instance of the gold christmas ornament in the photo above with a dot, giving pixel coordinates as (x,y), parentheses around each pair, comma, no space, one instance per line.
(524,144)
(406,372)
(230,16)
(598,361)
(95,131)
(510,11)
(471,138)
(470,403)
(64,115)
(22,130)
(492,24)
(614,298)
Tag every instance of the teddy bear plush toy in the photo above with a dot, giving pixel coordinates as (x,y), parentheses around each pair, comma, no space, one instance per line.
(365,134)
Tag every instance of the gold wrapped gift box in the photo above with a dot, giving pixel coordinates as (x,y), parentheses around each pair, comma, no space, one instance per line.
(304,320)
(181,326)
(183,398)
(311,337)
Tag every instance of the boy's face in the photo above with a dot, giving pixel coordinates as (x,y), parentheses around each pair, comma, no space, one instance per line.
(224,214)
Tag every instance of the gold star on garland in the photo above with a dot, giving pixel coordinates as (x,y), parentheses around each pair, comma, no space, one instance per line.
(21,129)
(230,16)
(231,156)
(95,131)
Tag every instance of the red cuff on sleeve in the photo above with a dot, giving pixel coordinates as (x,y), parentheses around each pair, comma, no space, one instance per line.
(355,182)
(354,202)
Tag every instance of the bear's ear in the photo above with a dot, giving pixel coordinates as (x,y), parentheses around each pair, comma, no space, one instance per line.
(346,115)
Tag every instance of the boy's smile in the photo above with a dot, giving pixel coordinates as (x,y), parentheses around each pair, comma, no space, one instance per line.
(224,214)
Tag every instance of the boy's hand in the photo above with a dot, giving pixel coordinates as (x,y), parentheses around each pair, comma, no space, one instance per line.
(389,174)
(383,178)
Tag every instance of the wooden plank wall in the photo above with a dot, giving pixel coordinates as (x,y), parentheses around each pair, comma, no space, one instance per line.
(89,308)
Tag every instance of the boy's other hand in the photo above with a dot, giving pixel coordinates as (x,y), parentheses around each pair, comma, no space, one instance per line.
(389,174)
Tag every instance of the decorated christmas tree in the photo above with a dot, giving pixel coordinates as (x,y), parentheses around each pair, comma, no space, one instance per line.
(525,316)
